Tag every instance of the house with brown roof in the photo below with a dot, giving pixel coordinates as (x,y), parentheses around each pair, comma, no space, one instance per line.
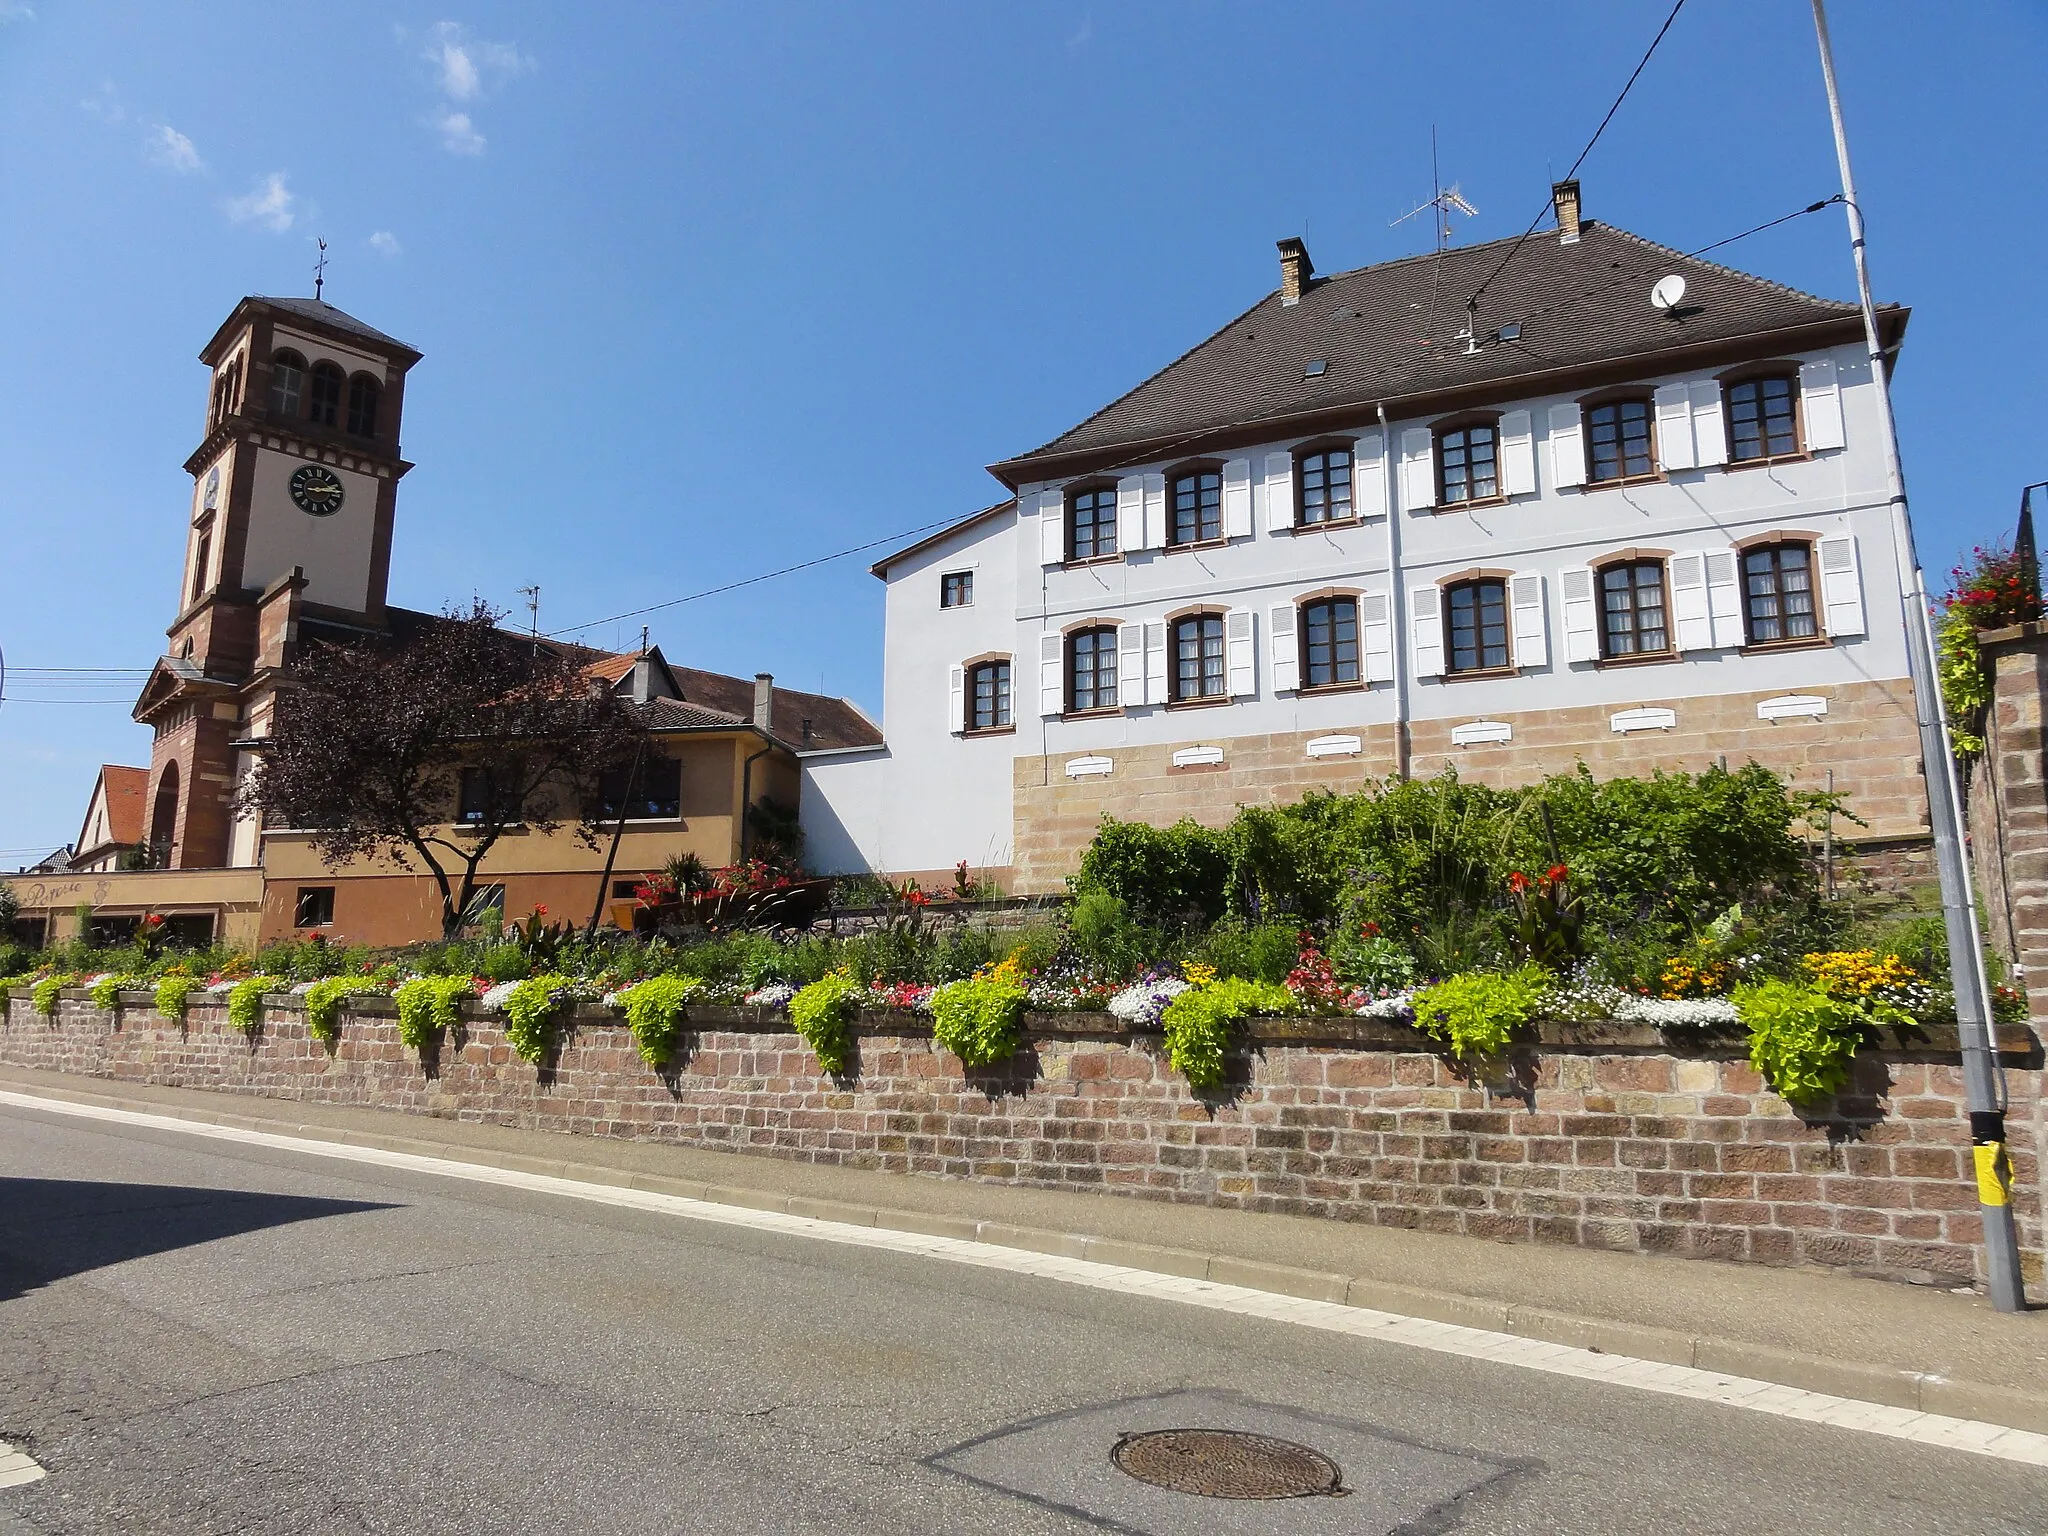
(111,837)
(1501,509)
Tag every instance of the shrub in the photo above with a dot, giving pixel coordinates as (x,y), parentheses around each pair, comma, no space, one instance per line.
(1107,936)
(171,992)
(1801,1039)
(428,1006)
(245,1003)
(1479,1013)
(1254,952)
(43,994)
(106,992)
(505,962)
(654,1012)
(324,999)
(530,1012)
(823,1015)
(1173,877)
(981,1020)
(1201,1023)
(1364,957)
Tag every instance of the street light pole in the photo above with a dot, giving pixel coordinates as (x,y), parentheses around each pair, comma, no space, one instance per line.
(1983,1081)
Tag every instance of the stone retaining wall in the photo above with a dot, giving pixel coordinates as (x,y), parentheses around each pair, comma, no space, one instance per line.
(1601,1135)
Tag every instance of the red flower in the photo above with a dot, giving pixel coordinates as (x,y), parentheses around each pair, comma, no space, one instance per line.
(1370,931)
(539,911)
(1518,882)
(1555,873)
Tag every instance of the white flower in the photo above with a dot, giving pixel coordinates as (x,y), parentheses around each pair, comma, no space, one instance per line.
(1144,1002)
(493,1001)
(775,995)
(1400,1006)
(222,986)
(1674,1012)
(301,988)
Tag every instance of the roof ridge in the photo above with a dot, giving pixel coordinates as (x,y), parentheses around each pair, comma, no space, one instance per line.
(1721,266)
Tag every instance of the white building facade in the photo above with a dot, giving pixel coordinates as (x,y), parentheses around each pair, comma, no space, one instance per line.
(1346,538)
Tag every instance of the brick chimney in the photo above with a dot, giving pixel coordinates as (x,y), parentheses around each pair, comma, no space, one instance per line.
(1564,197)
(764,701)
(1296,270)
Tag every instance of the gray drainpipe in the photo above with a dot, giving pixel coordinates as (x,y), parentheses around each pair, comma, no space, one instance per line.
(1397,597)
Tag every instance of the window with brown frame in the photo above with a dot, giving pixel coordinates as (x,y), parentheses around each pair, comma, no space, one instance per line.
(1468,463)
(323,399)
(1476,622)
(1322,480)
(1619,445)
(1329,642)
(1777,593)
(287,375)
(1091,668)
(956,589)
(1091,523)
(314,907)
(1197,510)
(1634,618)
(1763,418)
(988,696)
(1198,658)
(362,405)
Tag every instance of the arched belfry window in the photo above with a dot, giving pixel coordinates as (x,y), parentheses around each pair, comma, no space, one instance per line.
(323,404)
(287,381)
(362,405)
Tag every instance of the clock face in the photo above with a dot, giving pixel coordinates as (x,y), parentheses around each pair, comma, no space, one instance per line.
(316,490)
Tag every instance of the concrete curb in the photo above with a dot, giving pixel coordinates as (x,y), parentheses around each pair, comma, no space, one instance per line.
(1816,1373)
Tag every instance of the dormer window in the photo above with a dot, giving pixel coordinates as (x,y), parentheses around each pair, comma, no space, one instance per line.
(323,404)
(287,377)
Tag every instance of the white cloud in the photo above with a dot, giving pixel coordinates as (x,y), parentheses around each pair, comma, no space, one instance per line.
(268,204)
(1083,34)
(458,133)
(169,147)
(14,10)
(385,243)
(104,104)
(469,67)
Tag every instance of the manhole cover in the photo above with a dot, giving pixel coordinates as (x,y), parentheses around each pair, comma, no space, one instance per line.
(1226,1464)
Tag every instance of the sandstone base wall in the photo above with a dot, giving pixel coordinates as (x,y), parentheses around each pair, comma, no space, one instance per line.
(1601,1137)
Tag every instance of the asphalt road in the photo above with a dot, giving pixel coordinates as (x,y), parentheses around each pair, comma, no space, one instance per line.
(198,1337)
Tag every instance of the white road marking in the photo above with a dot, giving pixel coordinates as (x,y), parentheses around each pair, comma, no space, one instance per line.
(1973,1436)
(17,1466)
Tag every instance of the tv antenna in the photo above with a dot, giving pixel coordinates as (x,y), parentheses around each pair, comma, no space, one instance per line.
(320,270)
(532,596)
(1444,200)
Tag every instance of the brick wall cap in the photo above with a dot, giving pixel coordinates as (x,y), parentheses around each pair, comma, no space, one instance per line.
(2029,636)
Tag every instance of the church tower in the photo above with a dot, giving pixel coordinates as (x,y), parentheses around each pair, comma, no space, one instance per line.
(295,491)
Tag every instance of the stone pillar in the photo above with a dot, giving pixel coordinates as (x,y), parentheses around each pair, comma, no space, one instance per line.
(2008,804)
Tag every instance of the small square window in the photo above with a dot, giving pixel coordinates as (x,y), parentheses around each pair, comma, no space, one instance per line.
(315,907)
(956,589)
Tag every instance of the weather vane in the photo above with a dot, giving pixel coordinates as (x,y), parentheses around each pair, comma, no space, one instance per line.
(320,269)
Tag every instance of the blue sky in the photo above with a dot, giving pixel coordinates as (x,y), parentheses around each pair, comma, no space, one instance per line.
(704,291)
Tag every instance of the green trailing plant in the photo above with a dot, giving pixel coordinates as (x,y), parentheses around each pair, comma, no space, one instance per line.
(981,1019)
(324,999)
(531,1010)
(171,992)
(43,994)
(106,992)
(654,1012)
(1802,1039)
(823,1015)
(245,1002)
(1995,590)
(1480,1012)
(1201,1023)
(428,1006)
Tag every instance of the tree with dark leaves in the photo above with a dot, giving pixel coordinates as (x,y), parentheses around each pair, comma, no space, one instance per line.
(426,749)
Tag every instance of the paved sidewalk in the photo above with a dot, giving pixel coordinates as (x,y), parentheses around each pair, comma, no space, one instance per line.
(1873,1340)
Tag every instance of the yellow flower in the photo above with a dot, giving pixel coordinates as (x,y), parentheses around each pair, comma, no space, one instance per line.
(1198,975)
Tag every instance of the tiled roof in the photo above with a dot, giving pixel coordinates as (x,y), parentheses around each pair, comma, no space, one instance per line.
(323,313)
(834,722)
(126,789)
(1390,331)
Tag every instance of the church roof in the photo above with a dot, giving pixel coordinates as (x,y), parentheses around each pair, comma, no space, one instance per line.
(322,313)
(124,790)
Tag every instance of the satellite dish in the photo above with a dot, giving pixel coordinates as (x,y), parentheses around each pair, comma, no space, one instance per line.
(1669,293)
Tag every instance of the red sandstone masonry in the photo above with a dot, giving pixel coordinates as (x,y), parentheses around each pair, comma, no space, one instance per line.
(1606,1140)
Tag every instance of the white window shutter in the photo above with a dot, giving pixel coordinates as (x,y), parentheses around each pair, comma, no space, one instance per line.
(1581,613)
(956,698)
(1724,598)
(1674,427)
(1052,529)
(1237,498)
(1841,585)
(1820,402)
(1155,511)
(1369,475)
(1243,674)
(1277,490)
(1426,626)
(1155,664)
(1285,646)
(1052,682)
(1692,619)
(1567,446)
(1709,436)
(1532,629)
(1130,513)
(1518,455)
(1130,664)
(1418,470)
(1376,636)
